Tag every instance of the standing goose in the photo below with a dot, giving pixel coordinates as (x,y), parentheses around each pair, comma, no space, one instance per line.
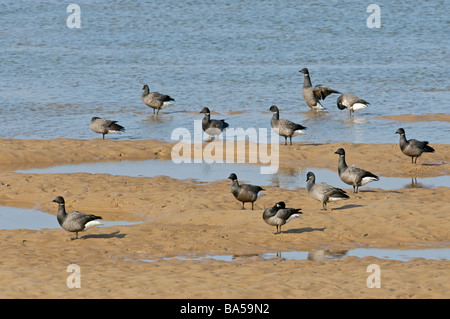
(323,192)
(244,193)
(351,102)
(412,147)
(74,221)
(284,127)
(102,126)
(353,175)
(212,127)
(279,215)
(311,94)
(155,100)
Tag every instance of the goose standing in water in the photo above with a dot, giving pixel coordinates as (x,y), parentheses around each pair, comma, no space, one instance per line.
(212,127)
(279,215)
(74,221)
(351,102)
(323,192)
(311,94)
(284,127)
(155,100)
(353,175)
(412,147)
(102,126)
(244,193)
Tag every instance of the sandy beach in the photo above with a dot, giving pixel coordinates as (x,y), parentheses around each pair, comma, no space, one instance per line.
(188,218)
(176,231)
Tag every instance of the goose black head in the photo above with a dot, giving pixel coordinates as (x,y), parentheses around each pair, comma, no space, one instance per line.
(280,205)
(145,87)
(59,200)
(304,71)
(400,131)
(205,110)
(273,108)
(232,176)
(310,175)
(339,103)
(340,151)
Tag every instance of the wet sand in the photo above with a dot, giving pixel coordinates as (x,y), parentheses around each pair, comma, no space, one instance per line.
(190,218)
(440,117)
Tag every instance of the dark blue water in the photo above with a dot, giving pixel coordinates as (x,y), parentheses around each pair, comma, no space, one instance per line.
(232,56)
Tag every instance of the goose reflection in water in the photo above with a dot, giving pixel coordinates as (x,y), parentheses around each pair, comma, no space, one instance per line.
(415,184)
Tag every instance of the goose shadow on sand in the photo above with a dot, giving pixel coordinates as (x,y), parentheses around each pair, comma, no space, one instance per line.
(115,234)
(433,164)
(302,230)
(347,207)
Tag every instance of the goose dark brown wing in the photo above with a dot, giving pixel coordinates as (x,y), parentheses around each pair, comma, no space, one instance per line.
(321,92)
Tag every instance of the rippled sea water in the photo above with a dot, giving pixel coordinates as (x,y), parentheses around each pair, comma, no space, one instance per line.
(236,57)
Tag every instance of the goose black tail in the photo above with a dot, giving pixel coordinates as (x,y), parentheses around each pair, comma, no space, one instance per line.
(428,149)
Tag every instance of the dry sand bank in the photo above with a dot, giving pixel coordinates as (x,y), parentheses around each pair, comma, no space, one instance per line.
(189,218)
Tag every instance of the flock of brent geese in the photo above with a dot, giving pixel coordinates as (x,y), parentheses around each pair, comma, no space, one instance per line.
(277,215)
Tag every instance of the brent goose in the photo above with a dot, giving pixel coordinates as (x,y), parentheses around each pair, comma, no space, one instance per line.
(74,221)
(284,127)
(353,175)
(279,215)
(412,147)
(351,102)
(212,127)
(245,192)
(155,100)
(311,94)
(102,126)
(323,192)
